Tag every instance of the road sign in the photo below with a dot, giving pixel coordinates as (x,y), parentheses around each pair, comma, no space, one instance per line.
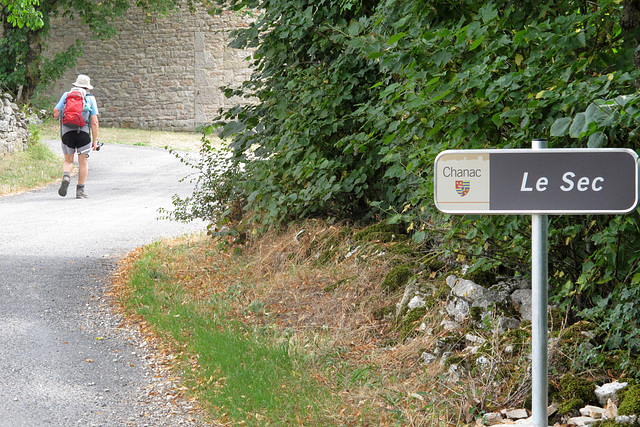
(544,181)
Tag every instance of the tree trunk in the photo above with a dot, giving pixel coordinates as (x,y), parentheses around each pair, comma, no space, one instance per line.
(629,22)
(32,63)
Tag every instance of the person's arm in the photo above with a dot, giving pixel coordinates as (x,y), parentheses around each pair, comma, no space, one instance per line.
(93,118)
(59,106)
(95,126)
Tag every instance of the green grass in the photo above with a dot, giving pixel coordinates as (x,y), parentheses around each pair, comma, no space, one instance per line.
(243,374)
(31,168)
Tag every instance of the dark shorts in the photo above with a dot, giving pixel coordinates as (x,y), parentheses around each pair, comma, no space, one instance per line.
(76,141)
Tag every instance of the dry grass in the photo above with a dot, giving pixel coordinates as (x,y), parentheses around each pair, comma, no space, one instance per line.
(160,139)
(28,169)
(309,283)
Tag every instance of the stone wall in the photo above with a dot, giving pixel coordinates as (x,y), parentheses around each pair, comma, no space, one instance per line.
(14,131)
(162,74)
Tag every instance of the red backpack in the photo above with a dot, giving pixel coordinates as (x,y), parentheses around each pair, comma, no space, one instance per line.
(73,108)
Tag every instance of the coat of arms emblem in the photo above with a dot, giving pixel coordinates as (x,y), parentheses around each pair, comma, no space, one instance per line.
(463,187)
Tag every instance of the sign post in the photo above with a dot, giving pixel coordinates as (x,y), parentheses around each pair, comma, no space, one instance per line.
(539,316)
(538,182)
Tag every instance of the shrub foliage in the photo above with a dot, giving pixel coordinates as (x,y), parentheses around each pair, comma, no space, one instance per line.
(355,98)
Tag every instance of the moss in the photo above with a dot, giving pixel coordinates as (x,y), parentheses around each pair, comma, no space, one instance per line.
(518,338)
(571,406)
(572,345)
(527,402)
(382,232)
(553,393)
(610,362)
(607,423)
(556,319)
(482,278)
(573,387)
(325,257)
(430,302)
(619,363)
(575,332)
(451,342)
(443,292)
(476,314)
(384,312)
(333,286)
(407,326)
(402,248)
(415,314)
(507,309)
(397,278)
(453,360)
(436,265)
(485,349)
(630,404)
(346,232)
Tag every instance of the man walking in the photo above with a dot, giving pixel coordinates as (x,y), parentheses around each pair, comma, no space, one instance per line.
(77,134)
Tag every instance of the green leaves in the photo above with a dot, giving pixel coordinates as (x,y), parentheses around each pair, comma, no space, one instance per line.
(357,99)
(579,126)
(23,13)
(603,119)
(561,126)
(395,38)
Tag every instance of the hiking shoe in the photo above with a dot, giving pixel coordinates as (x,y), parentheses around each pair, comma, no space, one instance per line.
(63,187)
(80,194)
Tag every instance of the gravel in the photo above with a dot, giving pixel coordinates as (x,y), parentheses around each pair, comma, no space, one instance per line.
(67,358)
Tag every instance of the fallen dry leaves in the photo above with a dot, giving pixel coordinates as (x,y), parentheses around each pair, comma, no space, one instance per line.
(327,306)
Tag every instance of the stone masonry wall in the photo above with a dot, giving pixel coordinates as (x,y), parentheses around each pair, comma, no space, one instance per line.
(14,130)
(164,74)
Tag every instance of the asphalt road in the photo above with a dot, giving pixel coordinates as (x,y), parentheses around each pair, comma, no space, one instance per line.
(64,360)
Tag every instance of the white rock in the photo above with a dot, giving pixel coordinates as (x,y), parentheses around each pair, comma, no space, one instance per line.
(467,289)
(626,419)
(582,421)
(450,325)
(491,419)
(611,410)
(608,391)
(428,357)
(458,309)
(451,280)
(474,339)
(592,411)
(483,361)
(516,414)
(416,302)
(522,300)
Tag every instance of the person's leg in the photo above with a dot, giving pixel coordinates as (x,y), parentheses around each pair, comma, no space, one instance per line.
(83,171)
(83,168)
(67,167)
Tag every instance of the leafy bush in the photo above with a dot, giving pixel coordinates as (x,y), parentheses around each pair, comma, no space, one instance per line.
(217,196)
(354,99)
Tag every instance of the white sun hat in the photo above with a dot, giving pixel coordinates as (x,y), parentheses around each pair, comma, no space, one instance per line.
(83,82)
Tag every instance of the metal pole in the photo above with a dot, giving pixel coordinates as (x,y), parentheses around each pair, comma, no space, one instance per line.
(539,302)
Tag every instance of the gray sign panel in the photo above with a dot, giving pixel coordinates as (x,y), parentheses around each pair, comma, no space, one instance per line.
(548,181)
